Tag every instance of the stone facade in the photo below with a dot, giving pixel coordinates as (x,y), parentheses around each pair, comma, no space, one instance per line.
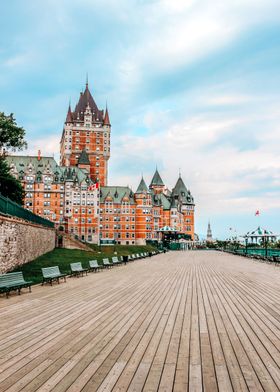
(21,242)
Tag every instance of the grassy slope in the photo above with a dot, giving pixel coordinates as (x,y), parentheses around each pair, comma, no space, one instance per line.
(63,258)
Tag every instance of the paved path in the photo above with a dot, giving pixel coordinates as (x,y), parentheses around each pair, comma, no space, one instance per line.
(183,321)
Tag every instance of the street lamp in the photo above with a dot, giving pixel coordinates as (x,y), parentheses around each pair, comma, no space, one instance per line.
(246,245)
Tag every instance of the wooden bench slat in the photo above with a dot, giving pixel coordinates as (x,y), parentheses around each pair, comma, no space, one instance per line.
(13,281)
(52,273)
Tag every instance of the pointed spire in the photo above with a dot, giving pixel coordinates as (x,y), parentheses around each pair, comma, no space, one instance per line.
(209,233)
(142,187)
(69,117)
(156,180)
(179,187)
(87,81)
(106,117)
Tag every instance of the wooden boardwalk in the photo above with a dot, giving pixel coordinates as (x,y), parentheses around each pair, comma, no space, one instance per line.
(183,321)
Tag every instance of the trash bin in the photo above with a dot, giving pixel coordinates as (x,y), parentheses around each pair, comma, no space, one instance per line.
(125,259)
(150,254)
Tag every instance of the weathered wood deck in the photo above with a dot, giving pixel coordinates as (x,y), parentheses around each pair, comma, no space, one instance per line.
(183,321)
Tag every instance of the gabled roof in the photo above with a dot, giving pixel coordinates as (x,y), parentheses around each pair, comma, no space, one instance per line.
(142,187)
(160,199)
(165,201)
(156,180)
(39,168)
(83,158)
(117,193)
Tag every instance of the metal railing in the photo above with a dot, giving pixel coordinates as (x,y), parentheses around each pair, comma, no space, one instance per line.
(10,208)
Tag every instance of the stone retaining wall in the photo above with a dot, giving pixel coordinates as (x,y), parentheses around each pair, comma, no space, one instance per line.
(22,241)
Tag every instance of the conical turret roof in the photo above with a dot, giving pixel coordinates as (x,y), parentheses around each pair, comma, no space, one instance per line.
(179,187)
(156,180)
(106,117)
(69,117)
(142,187)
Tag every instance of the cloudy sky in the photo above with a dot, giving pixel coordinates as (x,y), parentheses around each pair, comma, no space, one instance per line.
(191,85)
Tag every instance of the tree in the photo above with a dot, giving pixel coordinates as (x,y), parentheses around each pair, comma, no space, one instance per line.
(11,136)
(9,185)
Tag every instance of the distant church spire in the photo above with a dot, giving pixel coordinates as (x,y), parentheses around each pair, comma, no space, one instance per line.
(209,237)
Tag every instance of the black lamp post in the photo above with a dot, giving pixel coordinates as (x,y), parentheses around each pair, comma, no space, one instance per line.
(265,244)
(246,245)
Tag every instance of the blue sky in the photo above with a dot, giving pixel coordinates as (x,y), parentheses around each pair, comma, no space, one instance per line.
(191,84)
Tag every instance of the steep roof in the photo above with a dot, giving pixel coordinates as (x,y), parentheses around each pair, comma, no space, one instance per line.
(160,199)
(85,100)
(117,193)
(69,117)
(106,117)
(142,187)
(165,201)
(181,192)
(83,158)
(156,180)
(46,165)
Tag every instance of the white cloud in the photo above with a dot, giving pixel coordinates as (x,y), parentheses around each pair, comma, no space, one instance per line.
(48,145)
(222,178)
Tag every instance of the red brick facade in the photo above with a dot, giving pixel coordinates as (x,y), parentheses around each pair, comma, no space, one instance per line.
(75,194)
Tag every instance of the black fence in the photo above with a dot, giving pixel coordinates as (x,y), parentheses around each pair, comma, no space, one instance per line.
(10,208)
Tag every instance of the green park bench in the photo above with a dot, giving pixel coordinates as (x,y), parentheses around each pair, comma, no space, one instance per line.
(107,264)
(13,281)
(94,266)
(116,261)
(52,273)
(77,269)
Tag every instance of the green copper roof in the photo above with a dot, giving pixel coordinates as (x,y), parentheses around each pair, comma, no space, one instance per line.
(165,202)
(161,199)
(31,165)
(117,193)
(156,180)
(181,193)
(142,187)
(83,158)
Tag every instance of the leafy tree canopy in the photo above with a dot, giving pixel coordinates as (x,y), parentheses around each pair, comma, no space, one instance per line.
(9,185)
(11,135)
(11,138)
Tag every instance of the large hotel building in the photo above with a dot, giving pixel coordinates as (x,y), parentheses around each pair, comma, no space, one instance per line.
(76,196)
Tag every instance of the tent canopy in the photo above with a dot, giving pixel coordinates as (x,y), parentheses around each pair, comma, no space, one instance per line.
(167,229)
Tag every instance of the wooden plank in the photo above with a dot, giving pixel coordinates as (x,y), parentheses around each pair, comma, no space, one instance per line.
(182,321)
